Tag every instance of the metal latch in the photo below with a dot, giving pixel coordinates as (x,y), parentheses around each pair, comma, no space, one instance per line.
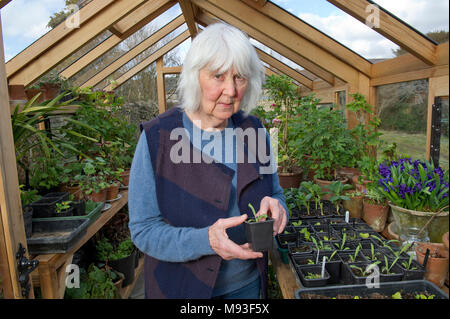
(25,267)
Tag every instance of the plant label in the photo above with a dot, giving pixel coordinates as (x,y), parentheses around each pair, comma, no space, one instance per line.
(347,216)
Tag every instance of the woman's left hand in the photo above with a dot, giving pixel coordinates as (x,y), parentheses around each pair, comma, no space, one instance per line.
(276,211)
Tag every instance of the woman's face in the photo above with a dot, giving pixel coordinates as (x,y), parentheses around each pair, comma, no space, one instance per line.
(222,93)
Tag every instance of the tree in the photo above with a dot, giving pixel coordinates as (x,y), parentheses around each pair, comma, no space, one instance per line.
(60,16)
(438,36)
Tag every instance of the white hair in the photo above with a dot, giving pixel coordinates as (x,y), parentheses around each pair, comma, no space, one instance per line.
(221,47)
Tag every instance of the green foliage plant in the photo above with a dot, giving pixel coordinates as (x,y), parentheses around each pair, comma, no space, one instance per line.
(256,218)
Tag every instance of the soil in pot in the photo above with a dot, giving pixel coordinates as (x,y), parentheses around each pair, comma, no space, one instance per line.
(437,264)
(375,215)
(260,234)
(311,276)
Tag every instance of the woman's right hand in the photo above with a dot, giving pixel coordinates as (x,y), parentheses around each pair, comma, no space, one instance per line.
(226,248)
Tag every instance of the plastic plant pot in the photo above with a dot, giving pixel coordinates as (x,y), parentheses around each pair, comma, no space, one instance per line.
(45,207)
(303,259)
(79,208)
(305,271)
(352,276)
(299,248)
(414,272)
(333,266)
(63,195)
(64,213)
(260,235)
(345,256)
(28,220)
(395,275)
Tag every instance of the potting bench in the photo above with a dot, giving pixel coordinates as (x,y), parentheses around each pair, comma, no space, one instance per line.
(50,274)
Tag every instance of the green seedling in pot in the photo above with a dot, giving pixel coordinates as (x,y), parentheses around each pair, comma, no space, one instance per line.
(397,295)
(407,264)
(256,219)
(330,258)
(422,296)
(355,255)
(297,223)
(303,199)
(310,262)
(387,267)
(367,271)
(364,235)
(306,234)
(320,245)
(342,245)
(60,207)
(313,276)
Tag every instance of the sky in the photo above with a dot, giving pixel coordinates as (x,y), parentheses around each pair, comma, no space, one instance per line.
(24,21)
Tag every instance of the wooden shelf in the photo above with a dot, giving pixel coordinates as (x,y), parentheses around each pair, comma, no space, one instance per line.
(50,274)
(285,276)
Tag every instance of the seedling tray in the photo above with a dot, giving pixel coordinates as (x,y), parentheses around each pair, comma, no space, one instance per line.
(388,289)
(94,209)
(56,236)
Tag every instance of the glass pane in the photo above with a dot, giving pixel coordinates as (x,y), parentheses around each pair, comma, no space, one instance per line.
(444,153)
(171,81)
(402,108)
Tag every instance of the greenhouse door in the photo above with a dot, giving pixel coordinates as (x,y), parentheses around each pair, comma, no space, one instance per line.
(437,124)
(12,230)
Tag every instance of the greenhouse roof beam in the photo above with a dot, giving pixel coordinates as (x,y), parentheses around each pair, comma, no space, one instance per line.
(157,8)
(391,28)
(152,58)
(134,52)
(207,18)
(53,37)
(313,35)
(75,40)
(188,12)
(283,35)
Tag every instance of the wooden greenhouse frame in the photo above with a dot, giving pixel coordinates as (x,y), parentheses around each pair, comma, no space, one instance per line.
(333,68)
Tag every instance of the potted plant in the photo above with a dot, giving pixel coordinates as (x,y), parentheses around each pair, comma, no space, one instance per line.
(375,209)
(354,205)
(64,209)
(93,182)
(418,195)
(52,83)
(437,263)
(258,231)
(311,276)
(336,190)
(28,197)
(122,257)
(284,94)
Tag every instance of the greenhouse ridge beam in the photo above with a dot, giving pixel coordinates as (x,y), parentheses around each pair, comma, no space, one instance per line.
(4,3)
(312,34)
(156,9)
(284,36)
(207,18)
(145,63)
(134,52)
(52,38)
(75,40)
(392,29)
(188,12)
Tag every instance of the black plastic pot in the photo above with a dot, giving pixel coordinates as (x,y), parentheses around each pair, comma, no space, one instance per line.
(411,287)
(345,256)
(284,239)
(45,207)
(126,267)
(260,235)
(349,277)
(300,248)
(416,274)
(79,207)
(397,274)
(63,195)
(303,259)
(28,220)
(333,267)
(319,282)
(65,213)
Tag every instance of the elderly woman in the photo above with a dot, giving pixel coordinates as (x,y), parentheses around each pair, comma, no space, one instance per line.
(189,195)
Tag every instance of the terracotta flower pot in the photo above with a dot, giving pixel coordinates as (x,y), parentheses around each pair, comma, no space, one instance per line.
(437,265)
(112,192)
(74,190)
(354,206)
(348,172)
(445,240)
(97,197)
(290,180)
(360,187)
(375,215)
(324,185)
(125,177)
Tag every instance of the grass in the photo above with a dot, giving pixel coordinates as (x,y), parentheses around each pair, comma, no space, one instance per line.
(414,145)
